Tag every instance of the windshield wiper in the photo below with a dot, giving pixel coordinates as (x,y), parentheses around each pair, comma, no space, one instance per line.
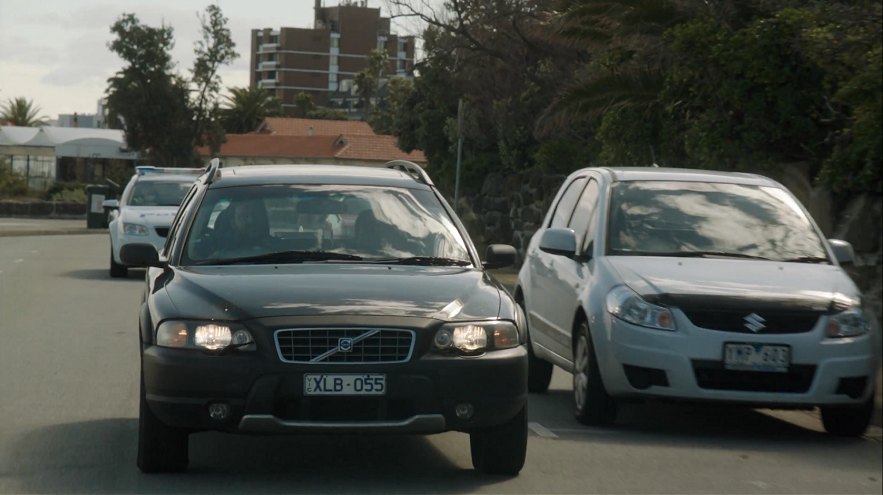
(712,254)
(809,259)
(424,261)
(285,257)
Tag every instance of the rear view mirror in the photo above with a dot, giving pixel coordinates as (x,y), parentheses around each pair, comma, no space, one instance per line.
(559,241)
(111,204)
(140,255)
(842,251)
(499,256)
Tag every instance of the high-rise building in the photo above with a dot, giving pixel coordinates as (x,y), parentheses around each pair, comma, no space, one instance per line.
(323,61)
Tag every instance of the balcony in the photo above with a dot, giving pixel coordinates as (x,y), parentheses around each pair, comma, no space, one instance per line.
(267,83)
(268,47)
(268,65)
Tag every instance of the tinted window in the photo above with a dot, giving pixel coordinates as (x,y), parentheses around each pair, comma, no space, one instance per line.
(564,209)
(583,221)
(371,222)
(667,218)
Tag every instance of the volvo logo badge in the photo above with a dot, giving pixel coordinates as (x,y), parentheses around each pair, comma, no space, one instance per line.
(345,344)
(754,322)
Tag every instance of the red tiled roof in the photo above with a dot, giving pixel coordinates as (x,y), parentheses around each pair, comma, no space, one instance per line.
(268,145)
(301,127)
(349,148)
(375,148)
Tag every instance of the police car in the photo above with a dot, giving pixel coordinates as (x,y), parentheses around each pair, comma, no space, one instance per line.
(146,209)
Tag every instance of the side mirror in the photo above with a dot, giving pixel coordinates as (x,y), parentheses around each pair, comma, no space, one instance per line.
(499,256)
(111,204)
(843,251)
(140,255)
(558,241)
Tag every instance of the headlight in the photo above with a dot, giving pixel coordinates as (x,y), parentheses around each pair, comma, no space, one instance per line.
(476,337)
(134,229)
(209,336)
(849,323)
(626,305)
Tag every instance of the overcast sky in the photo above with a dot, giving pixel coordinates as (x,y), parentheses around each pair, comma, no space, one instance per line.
(55,51)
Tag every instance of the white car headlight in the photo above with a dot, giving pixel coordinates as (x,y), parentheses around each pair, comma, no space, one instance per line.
(210,336)
(134,229)
(476,337)
(626,305)
(849,323)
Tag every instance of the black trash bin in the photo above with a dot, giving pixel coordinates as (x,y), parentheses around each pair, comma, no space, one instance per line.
(96,215)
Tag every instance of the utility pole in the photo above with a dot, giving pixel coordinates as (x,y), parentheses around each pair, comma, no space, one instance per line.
(459,151)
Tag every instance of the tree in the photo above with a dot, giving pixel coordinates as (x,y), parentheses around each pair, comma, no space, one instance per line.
(216,48)
(22,112)
(246,107)
(303,105)
(393,104)
(368,80)
(163,114)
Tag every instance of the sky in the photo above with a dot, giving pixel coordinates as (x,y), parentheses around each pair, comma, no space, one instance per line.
(55,53)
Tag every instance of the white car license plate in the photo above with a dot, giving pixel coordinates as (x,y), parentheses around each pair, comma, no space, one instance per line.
(344,384)
(757,357)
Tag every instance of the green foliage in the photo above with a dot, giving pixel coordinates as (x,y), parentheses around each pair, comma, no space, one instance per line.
(22,112)
(325,113)
(163,114)
(560,156)
(246,107)
(384,119)
(368,80)
(69,192)
(12,183)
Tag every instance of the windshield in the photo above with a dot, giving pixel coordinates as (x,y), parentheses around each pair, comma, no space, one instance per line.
(713,219)
(278,224)
(158,193)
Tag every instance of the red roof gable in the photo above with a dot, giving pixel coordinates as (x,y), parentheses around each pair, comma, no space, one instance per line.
(356,148)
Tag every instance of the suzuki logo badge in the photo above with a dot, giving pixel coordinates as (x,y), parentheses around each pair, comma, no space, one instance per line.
(754,322)
(345,344)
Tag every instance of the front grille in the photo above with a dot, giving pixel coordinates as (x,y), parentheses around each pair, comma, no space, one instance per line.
(162,231)
(712,375)
(344,345)
(774,322)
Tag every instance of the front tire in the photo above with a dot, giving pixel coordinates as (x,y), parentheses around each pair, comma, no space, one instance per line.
(161,448)
(848,421)
(592,405)
(117,270)
(500,449)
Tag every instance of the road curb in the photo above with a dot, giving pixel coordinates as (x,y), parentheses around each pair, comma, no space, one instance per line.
(40,232)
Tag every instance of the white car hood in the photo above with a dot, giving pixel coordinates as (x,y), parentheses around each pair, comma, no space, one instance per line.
(149,215)
(736,283)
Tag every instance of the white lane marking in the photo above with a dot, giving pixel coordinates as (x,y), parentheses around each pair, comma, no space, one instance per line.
(19,260)
(541,430)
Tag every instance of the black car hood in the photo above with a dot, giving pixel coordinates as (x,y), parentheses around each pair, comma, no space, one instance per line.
(259,291)
(736,283)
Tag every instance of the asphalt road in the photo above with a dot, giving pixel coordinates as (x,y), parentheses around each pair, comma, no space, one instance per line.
(68,419)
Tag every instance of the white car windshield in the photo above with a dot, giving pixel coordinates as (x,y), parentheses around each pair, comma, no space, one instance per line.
(158,193)
(257,223)
(709,219)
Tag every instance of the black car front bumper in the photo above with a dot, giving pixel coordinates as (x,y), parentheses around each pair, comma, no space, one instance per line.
(264,395)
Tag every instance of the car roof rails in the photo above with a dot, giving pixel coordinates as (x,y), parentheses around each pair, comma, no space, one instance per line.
(150,170)
(412,169)
(213,172)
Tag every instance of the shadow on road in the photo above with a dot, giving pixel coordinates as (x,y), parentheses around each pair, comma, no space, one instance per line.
(99,457)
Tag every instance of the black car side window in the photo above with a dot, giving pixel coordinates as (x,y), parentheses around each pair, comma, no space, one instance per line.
(583,221)
(564,209)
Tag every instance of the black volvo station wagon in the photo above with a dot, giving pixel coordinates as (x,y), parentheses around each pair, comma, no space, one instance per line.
(329,299)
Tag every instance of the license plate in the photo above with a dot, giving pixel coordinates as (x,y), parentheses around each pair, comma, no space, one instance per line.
(340,384)
(757,357)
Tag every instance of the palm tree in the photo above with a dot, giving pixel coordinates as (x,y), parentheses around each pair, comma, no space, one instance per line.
(246,107)
(22,112)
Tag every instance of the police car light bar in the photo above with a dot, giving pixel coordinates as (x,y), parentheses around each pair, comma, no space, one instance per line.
(150,169)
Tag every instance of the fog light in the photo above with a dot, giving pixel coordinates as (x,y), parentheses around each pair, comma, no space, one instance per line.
(464,411)
(218,410)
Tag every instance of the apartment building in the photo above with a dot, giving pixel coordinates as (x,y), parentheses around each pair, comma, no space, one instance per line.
(323,61)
